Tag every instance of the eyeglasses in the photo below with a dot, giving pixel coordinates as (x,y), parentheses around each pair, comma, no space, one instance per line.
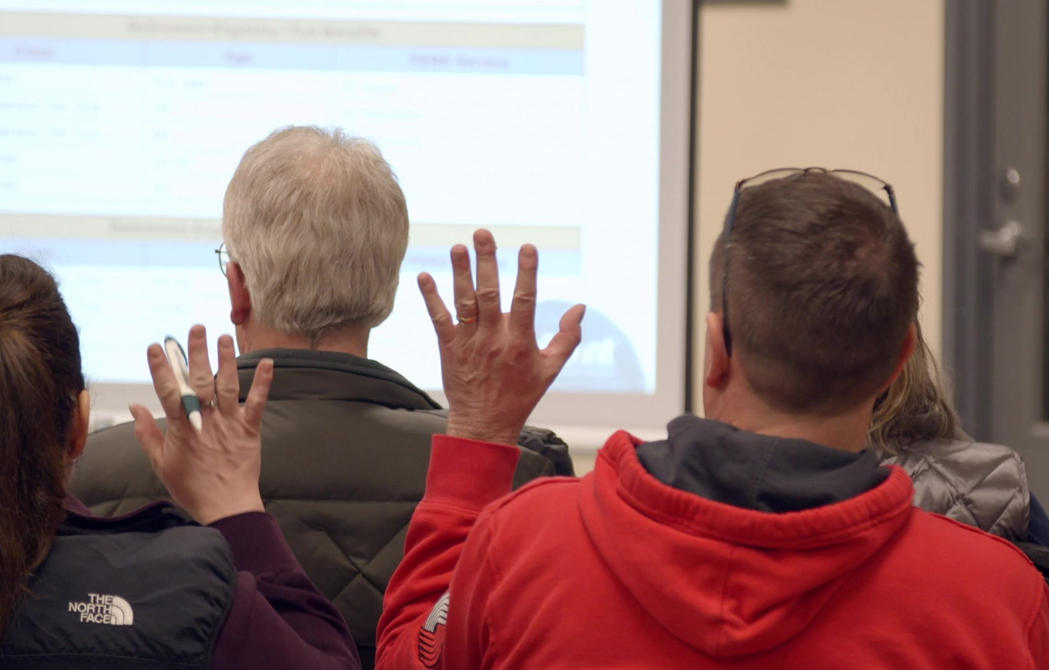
(877,186)
(223,255)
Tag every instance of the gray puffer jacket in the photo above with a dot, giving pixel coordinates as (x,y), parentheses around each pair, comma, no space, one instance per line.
(981,485)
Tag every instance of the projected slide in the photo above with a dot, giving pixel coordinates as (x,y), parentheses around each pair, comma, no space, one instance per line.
(122,122)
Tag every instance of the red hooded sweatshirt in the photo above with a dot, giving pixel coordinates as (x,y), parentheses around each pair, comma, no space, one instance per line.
(625,571)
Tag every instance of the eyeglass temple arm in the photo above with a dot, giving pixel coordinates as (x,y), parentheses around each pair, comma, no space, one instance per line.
(726,334)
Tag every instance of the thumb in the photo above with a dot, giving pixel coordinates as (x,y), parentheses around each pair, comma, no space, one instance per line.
(148,434)
(564,343)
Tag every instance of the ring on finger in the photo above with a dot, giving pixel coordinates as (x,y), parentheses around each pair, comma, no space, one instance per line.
(211,403)
(466,319)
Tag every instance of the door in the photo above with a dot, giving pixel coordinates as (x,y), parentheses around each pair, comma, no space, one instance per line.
(1013,242)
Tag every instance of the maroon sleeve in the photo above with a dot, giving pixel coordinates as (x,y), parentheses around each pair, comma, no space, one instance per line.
(278,619)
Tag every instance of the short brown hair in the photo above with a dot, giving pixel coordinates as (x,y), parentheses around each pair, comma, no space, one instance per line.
(822,287)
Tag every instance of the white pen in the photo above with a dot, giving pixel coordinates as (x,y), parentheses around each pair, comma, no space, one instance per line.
(190,401)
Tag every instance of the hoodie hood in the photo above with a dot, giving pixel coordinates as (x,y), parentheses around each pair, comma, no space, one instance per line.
(728,580)
(762,473)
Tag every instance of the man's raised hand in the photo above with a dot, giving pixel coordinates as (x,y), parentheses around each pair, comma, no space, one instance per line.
(493,369)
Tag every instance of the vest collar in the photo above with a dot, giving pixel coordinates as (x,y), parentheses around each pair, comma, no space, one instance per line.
(152,518)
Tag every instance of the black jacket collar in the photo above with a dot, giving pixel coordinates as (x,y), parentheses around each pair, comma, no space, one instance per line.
(306,374)
(768,474)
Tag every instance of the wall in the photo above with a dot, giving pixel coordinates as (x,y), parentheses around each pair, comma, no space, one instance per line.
(834,83)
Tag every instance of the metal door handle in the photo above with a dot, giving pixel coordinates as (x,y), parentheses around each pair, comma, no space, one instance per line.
(1004,241)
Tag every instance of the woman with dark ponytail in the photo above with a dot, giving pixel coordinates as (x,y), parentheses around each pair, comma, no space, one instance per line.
(43,420)
(151,589)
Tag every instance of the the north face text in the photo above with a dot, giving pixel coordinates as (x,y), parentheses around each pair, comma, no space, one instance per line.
(103,609)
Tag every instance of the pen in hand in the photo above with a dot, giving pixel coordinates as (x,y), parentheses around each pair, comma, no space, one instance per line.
(177,359)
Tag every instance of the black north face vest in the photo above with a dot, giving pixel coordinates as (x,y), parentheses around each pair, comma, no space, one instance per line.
(145,592)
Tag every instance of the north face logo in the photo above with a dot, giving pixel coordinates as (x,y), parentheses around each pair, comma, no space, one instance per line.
(99,608)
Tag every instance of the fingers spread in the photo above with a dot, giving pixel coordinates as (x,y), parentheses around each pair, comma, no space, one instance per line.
(567,338)
(442,320)
(148,434)
(255,404)
(522,310)
(165,385)
(200,376)
(227,383)
(489,307)
(463,284)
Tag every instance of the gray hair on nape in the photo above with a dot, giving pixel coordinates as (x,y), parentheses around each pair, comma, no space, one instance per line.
(318,223)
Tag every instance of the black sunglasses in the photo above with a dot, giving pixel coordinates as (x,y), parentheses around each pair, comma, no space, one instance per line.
(868,181)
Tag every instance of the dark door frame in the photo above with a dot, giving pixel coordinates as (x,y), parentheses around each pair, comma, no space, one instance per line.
(968,206)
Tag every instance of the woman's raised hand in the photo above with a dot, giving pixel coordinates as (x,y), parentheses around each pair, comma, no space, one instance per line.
(214,473)
(493,369)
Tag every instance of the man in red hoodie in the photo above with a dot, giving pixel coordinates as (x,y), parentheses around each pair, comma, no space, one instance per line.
(761,537)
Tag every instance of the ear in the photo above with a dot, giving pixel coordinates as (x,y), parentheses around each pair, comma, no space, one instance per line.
(81,421)
(717,362)
(239,298)
(910,341)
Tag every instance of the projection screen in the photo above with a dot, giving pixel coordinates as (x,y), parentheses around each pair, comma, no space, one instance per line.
(564,123)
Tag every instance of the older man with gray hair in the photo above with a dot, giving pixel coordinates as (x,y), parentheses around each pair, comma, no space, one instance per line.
(316,227)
